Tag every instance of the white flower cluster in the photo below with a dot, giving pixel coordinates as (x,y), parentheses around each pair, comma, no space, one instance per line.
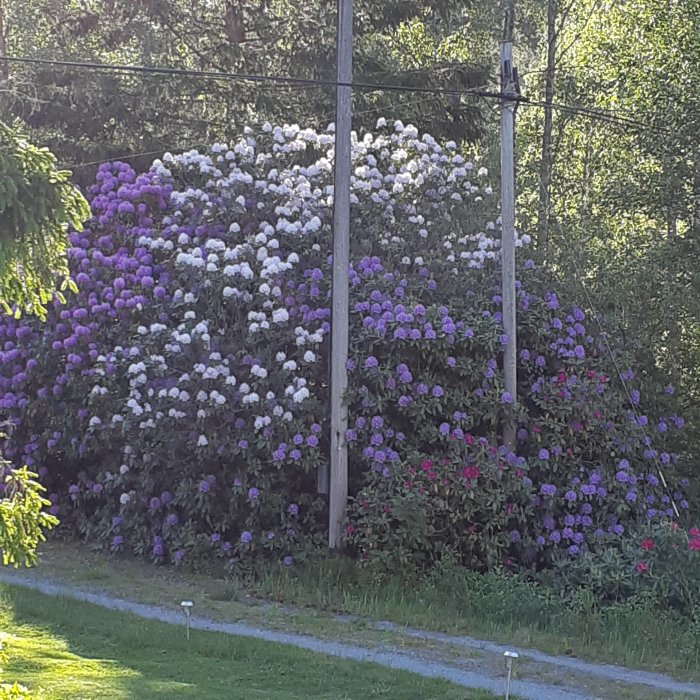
(248,239)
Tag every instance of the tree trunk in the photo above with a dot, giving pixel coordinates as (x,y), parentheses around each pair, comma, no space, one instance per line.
(546,157)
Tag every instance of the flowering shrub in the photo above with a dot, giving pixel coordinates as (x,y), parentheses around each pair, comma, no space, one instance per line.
(663,561)
(177,404)
(462,504)
(587,459)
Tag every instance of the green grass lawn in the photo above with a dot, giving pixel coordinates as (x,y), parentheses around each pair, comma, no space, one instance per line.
(497,608)
(501,608)
(67,650)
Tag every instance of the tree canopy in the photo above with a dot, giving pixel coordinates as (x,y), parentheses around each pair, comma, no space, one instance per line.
(89,115)
(37,205)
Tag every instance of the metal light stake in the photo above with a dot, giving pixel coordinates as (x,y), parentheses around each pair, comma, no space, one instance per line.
(187,606)
(510,658)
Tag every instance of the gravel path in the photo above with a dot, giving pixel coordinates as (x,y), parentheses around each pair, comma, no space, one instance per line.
(415,662)
(617,674)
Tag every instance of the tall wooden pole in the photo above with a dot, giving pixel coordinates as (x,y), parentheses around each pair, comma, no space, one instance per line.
(341,269)
(508,221)
(5,68)
(543,208)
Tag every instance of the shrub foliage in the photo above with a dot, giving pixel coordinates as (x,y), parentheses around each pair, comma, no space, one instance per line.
(176,405)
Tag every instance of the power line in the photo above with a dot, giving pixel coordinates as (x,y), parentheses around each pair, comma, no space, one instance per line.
(597,114)
(576,110)
(320,82)
(130,156)
(248,77)
(613,115)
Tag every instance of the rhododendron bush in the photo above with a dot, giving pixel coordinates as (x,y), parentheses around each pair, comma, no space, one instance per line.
(661,561)
(177,405)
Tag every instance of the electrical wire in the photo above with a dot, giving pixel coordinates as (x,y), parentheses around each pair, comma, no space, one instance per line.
(594,113)
(246,77)
(317,82)
(622,115)
(128,156)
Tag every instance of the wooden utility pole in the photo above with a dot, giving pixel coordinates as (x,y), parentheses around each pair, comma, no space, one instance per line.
(3,48)
(341,269)
(508,104)
(543,209)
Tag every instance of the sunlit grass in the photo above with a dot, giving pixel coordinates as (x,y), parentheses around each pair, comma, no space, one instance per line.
(42,659)
(66,650)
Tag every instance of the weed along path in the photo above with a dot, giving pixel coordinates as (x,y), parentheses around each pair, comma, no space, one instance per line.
(463,661)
